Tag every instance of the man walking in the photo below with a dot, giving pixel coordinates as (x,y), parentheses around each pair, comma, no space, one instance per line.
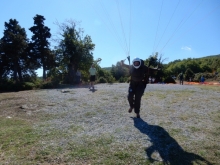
(139,78)
(181,78)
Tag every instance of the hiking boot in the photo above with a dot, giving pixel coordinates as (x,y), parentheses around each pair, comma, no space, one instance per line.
(130,110)
(138,115)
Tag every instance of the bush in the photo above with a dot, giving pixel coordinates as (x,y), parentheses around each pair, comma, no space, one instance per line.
(28,86)
(49,84)
(6,86)
(29,78)
(9,85)
(110,79)
(169,80)
(13,86)
(123,79)
(198,76)
(102,80)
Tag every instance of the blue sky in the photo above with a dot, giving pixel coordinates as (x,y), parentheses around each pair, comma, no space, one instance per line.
(177,29)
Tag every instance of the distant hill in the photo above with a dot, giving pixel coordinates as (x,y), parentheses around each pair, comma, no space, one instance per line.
(107,68)
(211,56)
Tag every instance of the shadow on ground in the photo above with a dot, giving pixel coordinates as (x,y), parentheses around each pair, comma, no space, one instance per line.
(167,147)
(92,89)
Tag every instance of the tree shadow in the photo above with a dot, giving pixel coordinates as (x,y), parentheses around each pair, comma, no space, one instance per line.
(167,147)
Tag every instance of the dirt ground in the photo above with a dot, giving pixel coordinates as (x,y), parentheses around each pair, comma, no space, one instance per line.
(180,119)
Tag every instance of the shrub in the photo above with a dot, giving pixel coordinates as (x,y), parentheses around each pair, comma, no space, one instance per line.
(12,86)
(29,78)
(123,79)
(49,84)
(28,86)
(110,79)
(198,76)
(46,85)
(169,80)
(6,86)
(102,80)
(189,74)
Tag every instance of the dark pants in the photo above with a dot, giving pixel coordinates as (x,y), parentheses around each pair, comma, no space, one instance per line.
(181,81)
(135,92)
(92,78)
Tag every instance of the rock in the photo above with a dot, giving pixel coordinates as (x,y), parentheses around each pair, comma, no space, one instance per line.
(29,106)
(65,91)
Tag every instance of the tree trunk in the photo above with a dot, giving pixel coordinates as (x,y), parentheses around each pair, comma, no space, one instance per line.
(71,74)
(44,68)
(15,69)
(19,74)
(44,73)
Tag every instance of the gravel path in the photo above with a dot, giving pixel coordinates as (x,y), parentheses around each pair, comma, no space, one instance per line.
(179,123)
(164,108)
(105,109)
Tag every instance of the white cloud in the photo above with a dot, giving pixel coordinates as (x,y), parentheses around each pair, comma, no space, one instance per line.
(186,48)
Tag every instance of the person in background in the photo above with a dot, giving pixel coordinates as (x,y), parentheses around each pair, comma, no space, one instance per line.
(92,72)
(202,79)
(139,78)
(181,78)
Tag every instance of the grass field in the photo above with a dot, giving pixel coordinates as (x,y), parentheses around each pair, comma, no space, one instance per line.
(23,139)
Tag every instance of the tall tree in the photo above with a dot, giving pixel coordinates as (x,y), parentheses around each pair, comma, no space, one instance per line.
(40,44)
(75,49)
(189,75)
(118,71)
(3,63)
(13,47)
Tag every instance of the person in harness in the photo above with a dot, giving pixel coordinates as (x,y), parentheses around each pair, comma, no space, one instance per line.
(139,79)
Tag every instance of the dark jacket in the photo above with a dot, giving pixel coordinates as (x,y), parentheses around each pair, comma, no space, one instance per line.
(140,74)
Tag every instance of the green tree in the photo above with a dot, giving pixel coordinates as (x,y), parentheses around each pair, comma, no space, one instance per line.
(3,64)
(203,65)
(13,46)
(189,74)
(156,61)
(192,64)
(104,74)
(118,71)
(75,49)
(205,68)
(152,60)
(40,44)
(216,63)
